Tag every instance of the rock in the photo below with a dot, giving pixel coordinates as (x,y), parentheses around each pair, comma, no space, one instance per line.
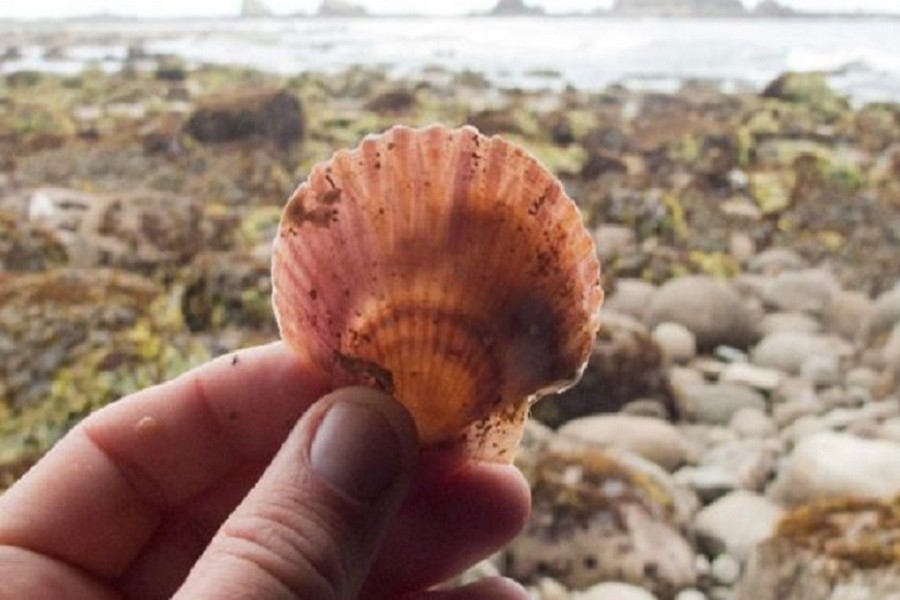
(810,89)
(550,589)
(891,353)
(840,550)
(510,8)
(885,314)
(839,397)
(392,102)
(710,309)
(495,122)
(863,378)
(807,291)
(753,423)
(731,465)
(830,465)
(736,523)
(229,289)
(804,403)
(631,297)
(140,230)
(717,403)
(276,116)
(690,594)
(340,8)
(758,378)
(625,364)
(726,569)
(646,407)
(653,439)
(613,591)
(821,370)
(730,355)
(788,351)
(890,430)
(774,261)
(600,515)
(749,285)
(613,241)
(788,322)
(677,343)
(603,162)
(848,313)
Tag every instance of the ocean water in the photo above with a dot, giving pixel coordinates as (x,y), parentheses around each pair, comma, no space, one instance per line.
(861,57)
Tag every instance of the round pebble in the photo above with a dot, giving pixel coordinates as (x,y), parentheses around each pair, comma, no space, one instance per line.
(677,342)
(690,594)
(726,569)
(751,422)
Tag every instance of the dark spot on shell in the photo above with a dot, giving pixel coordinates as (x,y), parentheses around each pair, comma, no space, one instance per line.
(296,215)
(313,294)
(367,372)
(234,360)
(331,197)
(232,416)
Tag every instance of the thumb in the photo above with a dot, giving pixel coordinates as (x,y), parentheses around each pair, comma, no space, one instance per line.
(311,525)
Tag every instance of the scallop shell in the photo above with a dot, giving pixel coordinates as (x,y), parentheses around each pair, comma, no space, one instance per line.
(446,268)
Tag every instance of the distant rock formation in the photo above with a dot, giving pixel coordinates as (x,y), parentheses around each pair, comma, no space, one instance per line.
(252,9)
(771,8)
(679,8)
(511,8)
(340,8)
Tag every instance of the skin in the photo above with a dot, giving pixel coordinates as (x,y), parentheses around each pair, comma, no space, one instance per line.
(207,487)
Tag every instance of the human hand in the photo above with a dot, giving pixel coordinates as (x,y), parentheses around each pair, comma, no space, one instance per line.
(233,481)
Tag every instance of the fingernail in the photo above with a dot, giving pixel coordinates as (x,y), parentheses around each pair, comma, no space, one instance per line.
(357,450)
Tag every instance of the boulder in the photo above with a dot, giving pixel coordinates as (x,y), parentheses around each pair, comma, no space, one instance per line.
(832,465)
(625,365)
(392,102)
(810,89)
(710,309)
(275,116)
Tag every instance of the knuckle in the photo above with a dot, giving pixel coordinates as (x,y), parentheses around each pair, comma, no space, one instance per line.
(299,549)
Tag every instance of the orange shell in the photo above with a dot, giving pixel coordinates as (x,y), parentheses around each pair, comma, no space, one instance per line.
(446,268)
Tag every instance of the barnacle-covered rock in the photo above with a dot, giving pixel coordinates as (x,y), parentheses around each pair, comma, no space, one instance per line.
(602,514)
(829,550)
(447,268)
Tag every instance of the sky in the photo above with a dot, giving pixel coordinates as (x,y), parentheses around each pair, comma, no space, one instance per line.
(33,9)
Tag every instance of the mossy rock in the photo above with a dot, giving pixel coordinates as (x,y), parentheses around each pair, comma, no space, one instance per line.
(276,116)
(810,89)
(71,341)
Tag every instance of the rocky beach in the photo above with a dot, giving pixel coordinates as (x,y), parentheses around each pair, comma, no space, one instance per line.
(736,435)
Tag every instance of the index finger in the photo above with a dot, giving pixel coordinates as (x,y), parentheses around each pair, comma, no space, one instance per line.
(99,494)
